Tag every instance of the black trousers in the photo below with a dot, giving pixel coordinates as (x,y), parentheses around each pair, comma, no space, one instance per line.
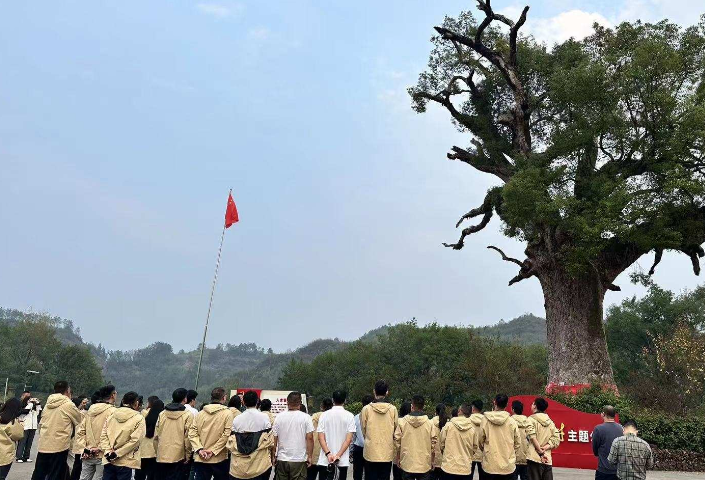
(328,472)
(113,472)
(396,472)
(171,471)
(480,472)
(358,462)
(539,471)
(25,445)
(522,472)
(605,476)
(206,471)
(415,476)
(377,470)
(51,466)
(316,472)
(496,476)
(451,476)
(4,470)
(77,465)
(147,469)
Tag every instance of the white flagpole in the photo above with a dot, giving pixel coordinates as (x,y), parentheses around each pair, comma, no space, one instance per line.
(210,303)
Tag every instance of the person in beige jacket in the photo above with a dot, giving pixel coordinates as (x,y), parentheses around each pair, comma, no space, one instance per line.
(499,441)
(265,406)
(379,421)
(457,445)
(316,470)
(59,419)
(252,442)
(90,430)
(11,431)
(209,435)
(234,405)
(544,437)
(148,455)
(171,438)
(120,440)
(522,424)
(416,437)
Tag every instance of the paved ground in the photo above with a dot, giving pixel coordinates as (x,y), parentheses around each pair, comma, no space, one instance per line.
(23,471)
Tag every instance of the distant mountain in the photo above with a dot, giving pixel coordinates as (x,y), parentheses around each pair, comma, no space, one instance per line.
(66,332)
(526,329)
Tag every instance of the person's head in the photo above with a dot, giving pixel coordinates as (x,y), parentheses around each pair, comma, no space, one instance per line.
(95,398)
(179,395)
(191,397)
(442,415)
(609,413)
(81,401)
(151,399)
(381,389)
(630,427)
(302,408)
(540,405)
(464,410)
(404,409)
(500,402)
(108,394)
(62,387)
(25,395)
(265,405)
(454,412)
(367,399)
(326,404)
(517,407)
(151,420)
(293,401)
(339,397)
(236,402)
(477,406)
(417,403)
(218,395)
(131,400)
(250,399)
(10,411)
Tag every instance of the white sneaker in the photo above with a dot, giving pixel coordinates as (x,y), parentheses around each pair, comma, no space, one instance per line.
(19,460)
(29,460)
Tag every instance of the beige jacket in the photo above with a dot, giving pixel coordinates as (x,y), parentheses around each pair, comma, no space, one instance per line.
(59,418)
(78,442)
(379,421)
(416,437)
(456,445)
(123,433)
(271,418)
(522,423)
(91,427)
(476,419)
(500,443)
(9,434)
(234,411)
(254,464)
(315,418)
(147,444)
(437,456)
(171,435)
(542,427)
(210,431)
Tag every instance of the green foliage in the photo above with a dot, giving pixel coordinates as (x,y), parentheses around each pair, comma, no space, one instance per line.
(526,329)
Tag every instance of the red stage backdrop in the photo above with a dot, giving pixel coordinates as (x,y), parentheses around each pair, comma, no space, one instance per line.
(575,450)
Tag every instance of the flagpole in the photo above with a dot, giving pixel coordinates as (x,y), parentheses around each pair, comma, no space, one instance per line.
(210,304)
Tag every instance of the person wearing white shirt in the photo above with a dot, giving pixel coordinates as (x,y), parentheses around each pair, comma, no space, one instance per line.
(293,440)
(31,409)
(359,443)
(251,420)
(335,434)
(191,402)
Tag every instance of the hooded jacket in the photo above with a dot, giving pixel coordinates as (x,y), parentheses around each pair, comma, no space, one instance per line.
(77,442)
(456,445)
(147,444)
(171,435)
(415,438)
(522,422)
(437,456)
(378,421)
(476,419)
(122,434)
(542,427)
(58,421)
(500,443)
(91,426)
(9,434)
(315,418)
(210,430)
(251,464)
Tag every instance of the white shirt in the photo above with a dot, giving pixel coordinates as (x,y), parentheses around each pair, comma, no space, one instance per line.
(336,423)
(191,409)
(251,420)
(31,419)
(359,437)
(290,428)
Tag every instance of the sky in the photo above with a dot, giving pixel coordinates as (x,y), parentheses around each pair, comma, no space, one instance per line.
(124,124)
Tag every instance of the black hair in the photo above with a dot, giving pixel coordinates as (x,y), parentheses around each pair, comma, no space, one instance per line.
(465,410)
(62,386)
(630,423)
(105,392)
(339,397)
(302,407)
(151,420)
(129,398)
(477,404)
(326,404)
(404,409)
(151,399)
(442,415)
(367,399)
(140,400)
(293,399)
(609,411)
(265,405)
(217,394)
(95,398)
(10,411)
(517,407)
(501,401)
(235,401)
(381,388)
(418,401)
(77,401)
(250,399)
(541,404)
(191,396)
(179,395)
(454,412)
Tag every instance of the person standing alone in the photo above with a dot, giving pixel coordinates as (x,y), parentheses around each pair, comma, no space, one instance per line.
(31,409)
(602,438)
(379,421)
(293,441)
(335,433)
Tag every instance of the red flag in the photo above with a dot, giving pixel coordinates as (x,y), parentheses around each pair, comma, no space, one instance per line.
(231,212)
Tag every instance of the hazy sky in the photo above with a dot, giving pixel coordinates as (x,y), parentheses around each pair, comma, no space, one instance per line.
(123,124)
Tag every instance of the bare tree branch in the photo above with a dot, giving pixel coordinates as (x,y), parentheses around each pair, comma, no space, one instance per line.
(505,257)
(526,269)
(469,231)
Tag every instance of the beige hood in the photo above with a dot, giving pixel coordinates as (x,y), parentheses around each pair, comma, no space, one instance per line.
(123,414)
(542,418)
(522,420)
(416,421)
(476,419)
(213,408)
(461,423)
(497,418)
(98,408)
(381,407)
(56,400)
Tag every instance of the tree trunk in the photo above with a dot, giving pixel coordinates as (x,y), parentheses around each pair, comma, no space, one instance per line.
(577,347)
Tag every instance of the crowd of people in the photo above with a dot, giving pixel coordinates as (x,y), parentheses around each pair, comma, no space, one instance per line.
(241,439)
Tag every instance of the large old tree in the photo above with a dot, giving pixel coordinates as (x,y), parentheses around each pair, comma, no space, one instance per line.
(599,146)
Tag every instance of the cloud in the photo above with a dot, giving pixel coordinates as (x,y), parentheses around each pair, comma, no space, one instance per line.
(571,24)
(259,33)
(220,10)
